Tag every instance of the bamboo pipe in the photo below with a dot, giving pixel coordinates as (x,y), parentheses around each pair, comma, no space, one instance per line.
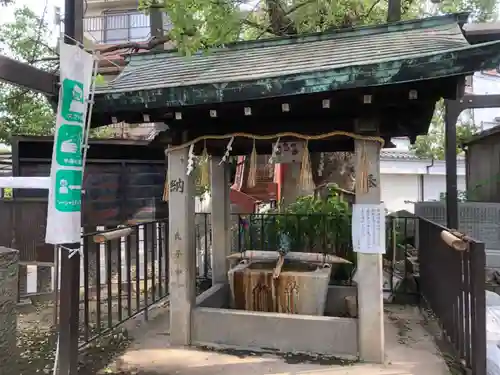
(279,266)
(453,241)
(112,235)
(275,255)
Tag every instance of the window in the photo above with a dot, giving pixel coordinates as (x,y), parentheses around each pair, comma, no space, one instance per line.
(126,26)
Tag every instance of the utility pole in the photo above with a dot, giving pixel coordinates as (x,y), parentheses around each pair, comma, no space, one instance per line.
(70,267)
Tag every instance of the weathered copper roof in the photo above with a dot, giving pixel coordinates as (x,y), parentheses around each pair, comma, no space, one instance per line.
(359,57)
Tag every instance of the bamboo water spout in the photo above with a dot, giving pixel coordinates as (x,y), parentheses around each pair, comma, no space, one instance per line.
(453,241)
(259,255)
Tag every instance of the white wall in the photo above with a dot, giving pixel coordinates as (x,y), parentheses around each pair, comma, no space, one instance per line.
(435,185)
(396,189)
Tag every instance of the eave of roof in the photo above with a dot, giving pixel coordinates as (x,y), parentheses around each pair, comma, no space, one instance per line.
(483,135)
(342,59)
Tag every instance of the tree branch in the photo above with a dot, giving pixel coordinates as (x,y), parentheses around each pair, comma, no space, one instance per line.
(298,6)
(375,3)
(255,25)
(151,44)
(135,46)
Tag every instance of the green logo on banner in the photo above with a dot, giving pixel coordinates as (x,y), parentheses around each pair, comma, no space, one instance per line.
(69,145)
(73,101)
(68,190)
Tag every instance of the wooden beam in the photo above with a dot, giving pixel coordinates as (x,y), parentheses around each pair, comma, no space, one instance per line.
(480,101)
(482,32)
(27,76)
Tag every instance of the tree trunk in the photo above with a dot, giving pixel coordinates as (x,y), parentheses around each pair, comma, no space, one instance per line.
(338,168)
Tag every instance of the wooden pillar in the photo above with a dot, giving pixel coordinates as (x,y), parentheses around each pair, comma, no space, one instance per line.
(220,220)
(182,257)
(369,273)
(452,111)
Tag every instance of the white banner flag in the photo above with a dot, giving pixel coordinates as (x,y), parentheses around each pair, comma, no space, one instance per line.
(66,172)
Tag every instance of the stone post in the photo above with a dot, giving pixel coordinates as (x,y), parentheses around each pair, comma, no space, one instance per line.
(44,279)
(369,268)
(9,267)
(220,219)
(23,280)
(182,257)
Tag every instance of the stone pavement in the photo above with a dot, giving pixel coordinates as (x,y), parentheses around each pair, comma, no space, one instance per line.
(409,349)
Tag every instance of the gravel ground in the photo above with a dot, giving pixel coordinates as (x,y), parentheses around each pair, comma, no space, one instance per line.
(37,338)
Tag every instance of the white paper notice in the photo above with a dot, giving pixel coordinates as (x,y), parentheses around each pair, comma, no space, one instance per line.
(368,228)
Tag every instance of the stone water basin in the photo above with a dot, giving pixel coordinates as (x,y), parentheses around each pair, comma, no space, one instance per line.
(301,287)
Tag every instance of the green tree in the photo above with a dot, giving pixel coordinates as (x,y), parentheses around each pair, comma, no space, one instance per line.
(480,10)
(432,145)
(23,111)
(200,23)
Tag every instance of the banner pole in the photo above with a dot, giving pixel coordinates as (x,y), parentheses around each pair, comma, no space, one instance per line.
(70,262)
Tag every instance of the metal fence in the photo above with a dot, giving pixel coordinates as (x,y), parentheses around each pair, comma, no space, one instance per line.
(452,284)
(321,233)
(400,262)
(122,277)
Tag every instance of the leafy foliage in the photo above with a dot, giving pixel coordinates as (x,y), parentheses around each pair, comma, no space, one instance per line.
(462,196)
(308,224)
(432,145)
(22,111)
(480,10)
(197,24)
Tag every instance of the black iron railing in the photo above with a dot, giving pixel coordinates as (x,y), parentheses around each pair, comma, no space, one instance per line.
(320,233)
(400,260)
(122,277)
(452,284)
(273,231)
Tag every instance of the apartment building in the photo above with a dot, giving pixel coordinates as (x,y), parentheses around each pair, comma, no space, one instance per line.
(109,22)
(113,22)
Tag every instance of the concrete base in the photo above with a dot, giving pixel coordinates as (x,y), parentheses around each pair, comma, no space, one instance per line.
(409,350)
(213,324)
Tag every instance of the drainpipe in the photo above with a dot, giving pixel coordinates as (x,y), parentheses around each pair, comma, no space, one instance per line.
(422,180)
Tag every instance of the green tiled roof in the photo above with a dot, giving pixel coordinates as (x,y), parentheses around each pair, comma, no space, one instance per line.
(359,57)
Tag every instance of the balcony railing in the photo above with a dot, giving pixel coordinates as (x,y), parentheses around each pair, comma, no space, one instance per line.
(117,28)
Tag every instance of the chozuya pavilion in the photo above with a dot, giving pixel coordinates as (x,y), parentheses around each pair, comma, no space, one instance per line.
(345,90)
